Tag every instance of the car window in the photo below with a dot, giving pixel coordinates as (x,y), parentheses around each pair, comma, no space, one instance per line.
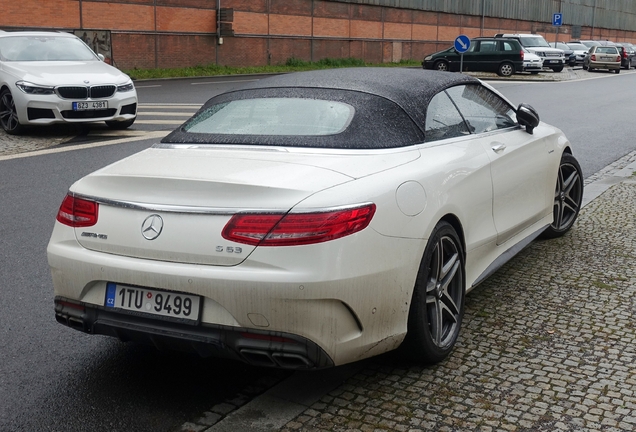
(273,116)
(488,46)
(533,41)
(607,50)
(507,46)
(443,120)
(482,109)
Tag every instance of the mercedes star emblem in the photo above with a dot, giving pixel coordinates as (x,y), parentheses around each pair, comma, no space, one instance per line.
(152,226)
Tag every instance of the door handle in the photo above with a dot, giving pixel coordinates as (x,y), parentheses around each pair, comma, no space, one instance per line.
(498,148)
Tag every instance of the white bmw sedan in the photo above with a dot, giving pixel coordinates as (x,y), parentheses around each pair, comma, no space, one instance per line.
(313,219)
(49,77)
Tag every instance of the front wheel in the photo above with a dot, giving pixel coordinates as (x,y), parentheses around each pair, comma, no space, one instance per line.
(437,306)
(9,114)
(557,69)
(568,197)
(506,69)
(441,65)
(120,124)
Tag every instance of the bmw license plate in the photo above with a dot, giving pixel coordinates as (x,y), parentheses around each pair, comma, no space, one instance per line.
(154,302)
(86,106)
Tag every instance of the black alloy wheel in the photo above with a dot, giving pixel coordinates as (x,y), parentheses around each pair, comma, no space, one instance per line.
(437,307)
(568,197)
(9,114)
(441,65)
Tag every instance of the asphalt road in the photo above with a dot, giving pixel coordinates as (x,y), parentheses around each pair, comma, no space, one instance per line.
(56,379)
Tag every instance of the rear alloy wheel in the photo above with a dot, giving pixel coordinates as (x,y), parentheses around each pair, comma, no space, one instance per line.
(437,306)
(506,69)
(121,124)
(568,197)
(9,114)
(628,66)
(441,65)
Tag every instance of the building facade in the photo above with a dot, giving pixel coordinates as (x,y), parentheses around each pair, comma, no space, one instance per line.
(179,33)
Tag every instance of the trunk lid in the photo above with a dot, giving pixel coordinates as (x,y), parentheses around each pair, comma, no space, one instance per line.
(172,204)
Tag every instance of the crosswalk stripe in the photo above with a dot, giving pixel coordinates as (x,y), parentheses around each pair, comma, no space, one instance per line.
(159,122)
(164,114)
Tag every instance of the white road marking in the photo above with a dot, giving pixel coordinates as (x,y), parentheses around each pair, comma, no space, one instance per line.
(222,82)
(149,135)
(164,114)
(159,122)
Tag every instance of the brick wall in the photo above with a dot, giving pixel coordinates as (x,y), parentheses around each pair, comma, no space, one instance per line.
(174,33)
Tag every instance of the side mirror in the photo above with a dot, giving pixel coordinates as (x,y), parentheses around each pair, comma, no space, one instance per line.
(101,57)
(528,117)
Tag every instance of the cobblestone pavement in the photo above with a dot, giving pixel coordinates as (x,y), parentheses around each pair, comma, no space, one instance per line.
(548,344)
(35,139)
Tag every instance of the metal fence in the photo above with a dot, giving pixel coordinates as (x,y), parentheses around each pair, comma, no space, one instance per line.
(610,14)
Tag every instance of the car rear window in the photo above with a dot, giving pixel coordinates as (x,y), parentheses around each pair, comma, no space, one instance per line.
(300,117)
(607,50)
(273,116)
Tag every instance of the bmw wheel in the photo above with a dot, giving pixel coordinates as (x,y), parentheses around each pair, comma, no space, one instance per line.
(9,114)
(120,124)
(506,69)
(437,306)
(441,65)
(568,197)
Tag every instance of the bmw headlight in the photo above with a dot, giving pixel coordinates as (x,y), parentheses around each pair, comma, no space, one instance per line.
(126,87)
(34,89)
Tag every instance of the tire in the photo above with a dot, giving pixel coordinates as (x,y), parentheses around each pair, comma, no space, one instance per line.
(628,66)
(617,70)
(9,114)
(437,306)
(506,69)
(557,69)
(534,72)
(441,65)
(585,67)
(568,197)
(121,124)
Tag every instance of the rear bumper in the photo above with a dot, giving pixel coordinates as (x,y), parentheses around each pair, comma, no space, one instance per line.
(258,348)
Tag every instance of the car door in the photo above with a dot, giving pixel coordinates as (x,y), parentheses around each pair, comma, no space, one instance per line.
(519,161)
(486,57)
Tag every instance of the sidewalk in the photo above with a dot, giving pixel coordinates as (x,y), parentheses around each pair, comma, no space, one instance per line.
(548,344)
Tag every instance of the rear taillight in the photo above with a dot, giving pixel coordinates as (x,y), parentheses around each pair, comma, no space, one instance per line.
(77,212)
(295,229)
(522,57)
(618,58)
(624,54)
(593,57)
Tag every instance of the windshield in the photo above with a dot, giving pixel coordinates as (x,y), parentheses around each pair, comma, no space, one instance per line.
(44,48)
(534,41)
(577,47)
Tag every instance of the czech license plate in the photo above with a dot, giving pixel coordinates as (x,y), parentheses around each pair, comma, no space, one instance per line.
(154,302)
(85,106)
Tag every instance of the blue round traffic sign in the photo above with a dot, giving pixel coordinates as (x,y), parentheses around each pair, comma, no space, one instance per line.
(462,43)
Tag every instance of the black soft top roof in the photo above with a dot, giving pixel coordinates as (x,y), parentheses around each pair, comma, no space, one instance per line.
(411,89)
(390,106)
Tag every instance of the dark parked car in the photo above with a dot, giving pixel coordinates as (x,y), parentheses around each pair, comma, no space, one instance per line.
(568,53)
(501,55)
(627,55)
